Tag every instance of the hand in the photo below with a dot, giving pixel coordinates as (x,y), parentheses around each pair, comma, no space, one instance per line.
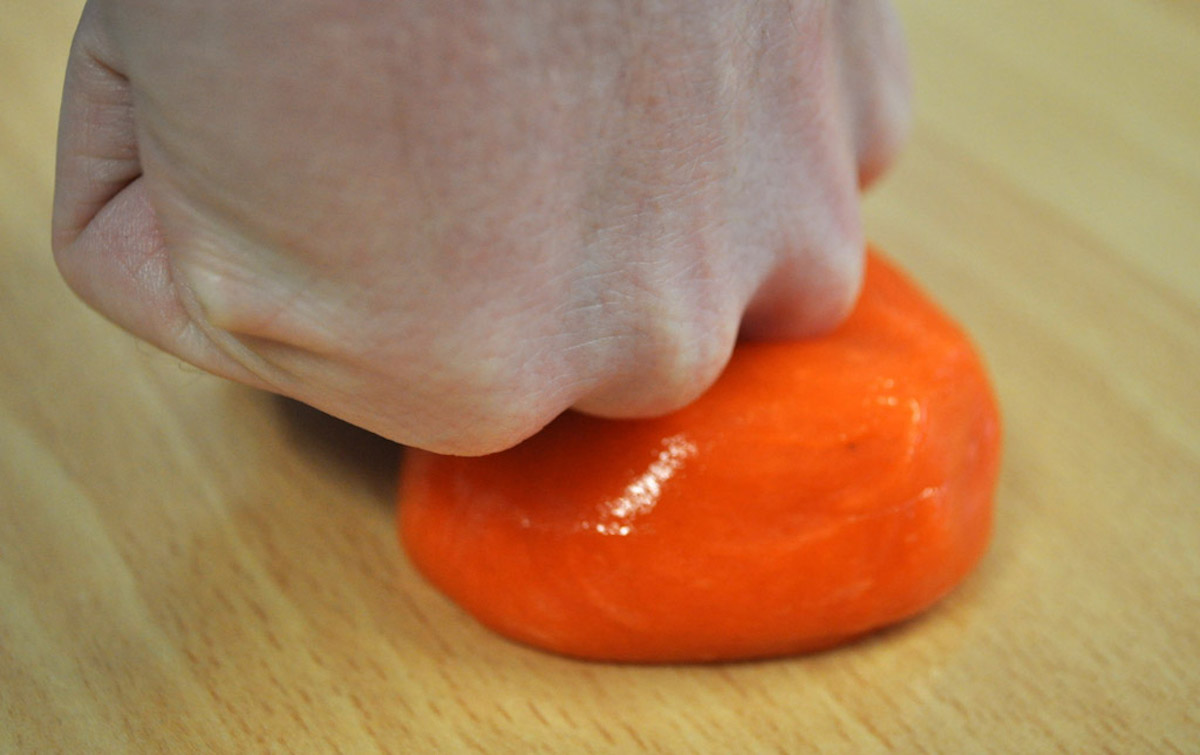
(448,222)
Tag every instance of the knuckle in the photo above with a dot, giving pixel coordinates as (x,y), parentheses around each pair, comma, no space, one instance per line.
(830,282)
(884,134)
(813,284)
(666,364)
(486,413)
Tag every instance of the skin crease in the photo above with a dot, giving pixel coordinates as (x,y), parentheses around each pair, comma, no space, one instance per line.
(448,222)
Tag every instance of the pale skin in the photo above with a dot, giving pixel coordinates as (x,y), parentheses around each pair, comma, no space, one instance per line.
(448,221)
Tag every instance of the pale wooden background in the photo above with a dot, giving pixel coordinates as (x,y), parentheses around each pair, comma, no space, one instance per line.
(187,565)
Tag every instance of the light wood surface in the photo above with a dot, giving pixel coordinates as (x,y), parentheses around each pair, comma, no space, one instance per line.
(188,565)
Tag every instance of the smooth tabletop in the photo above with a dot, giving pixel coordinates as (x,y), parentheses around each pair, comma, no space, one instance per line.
(189,565)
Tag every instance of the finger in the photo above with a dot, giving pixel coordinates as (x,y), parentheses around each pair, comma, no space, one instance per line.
(812,264)
(875,82)
(808,293)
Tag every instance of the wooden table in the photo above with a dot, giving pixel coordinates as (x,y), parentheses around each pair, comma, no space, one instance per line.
(188,565)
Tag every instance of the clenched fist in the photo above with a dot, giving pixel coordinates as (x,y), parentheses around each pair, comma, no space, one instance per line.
(447,221)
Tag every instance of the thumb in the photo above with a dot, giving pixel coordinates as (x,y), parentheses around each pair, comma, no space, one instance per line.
(105,233)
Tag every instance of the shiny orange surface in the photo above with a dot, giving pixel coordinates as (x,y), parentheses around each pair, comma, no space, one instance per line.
(819,490)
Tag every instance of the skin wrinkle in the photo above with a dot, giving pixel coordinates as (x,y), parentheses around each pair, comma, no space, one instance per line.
(252,368)
(257,360)
(106,157)
(239,323)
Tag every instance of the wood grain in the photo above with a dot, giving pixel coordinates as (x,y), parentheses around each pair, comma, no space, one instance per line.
(188,565)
